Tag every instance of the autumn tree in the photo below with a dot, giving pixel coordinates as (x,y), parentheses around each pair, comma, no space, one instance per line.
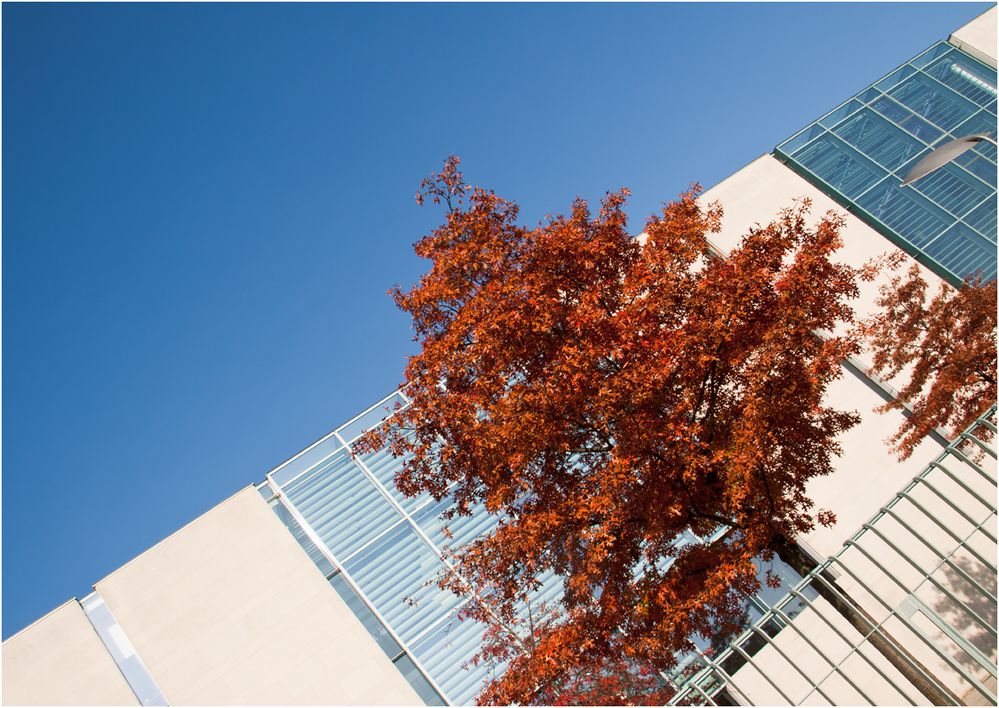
(601,396)
(946,345)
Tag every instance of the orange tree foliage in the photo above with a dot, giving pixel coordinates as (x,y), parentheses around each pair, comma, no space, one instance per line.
(947,343)
(601,396)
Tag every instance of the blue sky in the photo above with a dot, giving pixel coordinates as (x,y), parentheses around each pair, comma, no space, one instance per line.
(204,205)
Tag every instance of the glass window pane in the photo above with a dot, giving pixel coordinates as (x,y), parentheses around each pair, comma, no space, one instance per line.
(847,109)
(964,252)
(932,53)
(909,215)
(384,466)
(934,102)
(460,530)
(371,419)
(839,165)
(419,682)
(907,119)
(317,556)
(894,78)
(397,573)
(953,188)
(879,139)
(445,650)
(968,77)
(304,460)
(870,95)
(801,139)
(371,623)
(983,219)
(341,504)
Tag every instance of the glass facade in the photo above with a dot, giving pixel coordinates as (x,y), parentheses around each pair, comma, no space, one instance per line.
(859,153)
(382,552)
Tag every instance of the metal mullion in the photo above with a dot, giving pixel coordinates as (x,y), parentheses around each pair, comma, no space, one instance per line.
(875,629)
(891,171)
(833,665)
(961,541)
(964,486)
(681,694)
(270,475)
(983,420)
(944,558)
(982,444)
(773,643)
(377,537)
(682,689)
(878,183)
(435,625)
(970,520)
(961,97)
(365,412)
(725,676)
(760,606)
(749,660)
(971,463)
(927,576)
(704,695)
(854,649)
(912,628)
(776,612)
(310,532)
(966,646)
(426,539)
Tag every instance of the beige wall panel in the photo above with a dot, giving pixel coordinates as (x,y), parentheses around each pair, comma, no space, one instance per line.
(820,639)
(755,194)
(230,610)
(978,37)
(60,660)
(867,474)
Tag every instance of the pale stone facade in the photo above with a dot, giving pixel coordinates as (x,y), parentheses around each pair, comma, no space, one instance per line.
(978,37)
(226,611)
(60,660)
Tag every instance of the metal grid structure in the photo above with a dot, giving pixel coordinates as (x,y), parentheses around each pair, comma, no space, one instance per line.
(381,552)
(859,152)
(904,613)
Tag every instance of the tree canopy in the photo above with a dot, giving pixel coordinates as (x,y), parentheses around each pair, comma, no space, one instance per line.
(945,344)
(602,396)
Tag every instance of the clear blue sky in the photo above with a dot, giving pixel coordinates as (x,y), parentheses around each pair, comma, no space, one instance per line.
(204,205)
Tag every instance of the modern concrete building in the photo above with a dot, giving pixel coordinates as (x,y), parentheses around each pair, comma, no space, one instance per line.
(311,587)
